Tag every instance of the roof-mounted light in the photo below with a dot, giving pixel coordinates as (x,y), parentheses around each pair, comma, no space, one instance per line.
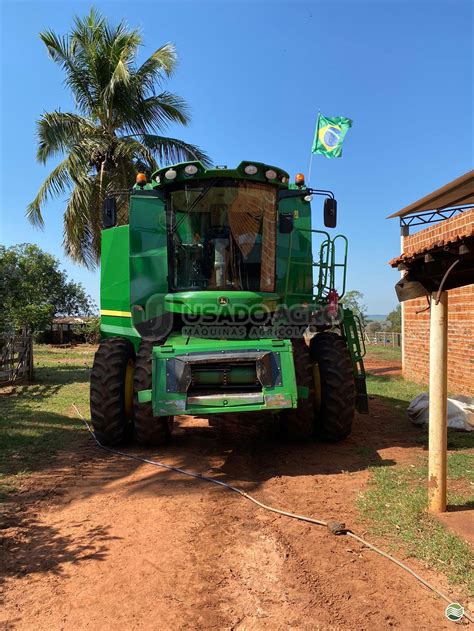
(191,169)
(170,174)
(157,179)
(299,179)
(271,174)
(140,179)
(250,169)
(284,180)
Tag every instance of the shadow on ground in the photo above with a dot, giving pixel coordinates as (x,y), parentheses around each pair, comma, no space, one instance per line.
(30,547)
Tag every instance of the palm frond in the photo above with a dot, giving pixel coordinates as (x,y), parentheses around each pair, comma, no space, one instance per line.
(79,228)
(129,150)
(165,108)
(56,183)
(59,131)
(172,150)
(162,62)
(120,77)
(62,51)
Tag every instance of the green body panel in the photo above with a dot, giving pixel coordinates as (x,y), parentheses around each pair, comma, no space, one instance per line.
(297,285)
(148,255)
(115,326)
(115,285)
(135,288)
(212,302)
(114,271)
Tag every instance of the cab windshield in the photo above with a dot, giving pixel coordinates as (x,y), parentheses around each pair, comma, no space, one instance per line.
(222,236)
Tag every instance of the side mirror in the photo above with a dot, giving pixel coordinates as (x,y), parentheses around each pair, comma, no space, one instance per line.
(109,212)
(285,224)
(330,212)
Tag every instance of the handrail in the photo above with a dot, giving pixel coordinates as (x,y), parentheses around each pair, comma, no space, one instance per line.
(344,264)
(327,263)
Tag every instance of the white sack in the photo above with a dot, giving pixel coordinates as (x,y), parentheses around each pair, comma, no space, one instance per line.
(460,411)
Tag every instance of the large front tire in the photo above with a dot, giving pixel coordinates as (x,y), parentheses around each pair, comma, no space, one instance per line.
(298,423)
(150,430)
(111,390)
(333,420)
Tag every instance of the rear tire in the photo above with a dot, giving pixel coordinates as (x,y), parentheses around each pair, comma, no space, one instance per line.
(298,423)
(110,417)
(333,421)
(150,430)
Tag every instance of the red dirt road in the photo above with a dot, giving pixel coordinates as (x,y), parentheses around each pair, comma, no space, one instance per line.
(101,542)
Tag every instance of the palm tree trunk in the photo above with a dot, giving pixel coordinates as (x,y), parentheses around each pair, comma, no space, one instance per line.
(102,168)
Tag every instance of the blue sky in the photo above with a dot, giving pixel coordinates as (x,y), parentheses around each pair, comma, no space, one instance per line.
(255,75)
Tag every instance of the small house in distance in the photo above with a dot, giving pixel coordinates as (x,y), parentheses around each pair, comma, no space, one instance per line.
(64,330)
(439,257)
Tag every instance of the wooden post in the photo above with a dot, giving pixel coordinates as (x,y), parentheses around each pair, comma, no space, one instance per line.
(438,432)
(31,369)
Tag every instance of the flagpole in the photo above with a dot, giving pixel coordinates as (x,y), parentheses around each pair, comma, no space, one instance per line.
(311,154)
(309,168)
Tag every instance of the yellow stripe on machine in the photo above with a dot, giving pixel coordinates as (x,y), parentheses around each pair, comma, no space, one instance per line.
(119,314)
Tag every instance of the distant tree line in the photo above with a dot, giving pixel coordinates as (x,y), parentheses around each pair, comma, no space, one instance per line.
(393,322)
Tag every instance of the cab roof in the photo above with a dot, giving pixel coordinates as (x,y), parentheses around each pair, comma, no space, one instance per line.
(250,171)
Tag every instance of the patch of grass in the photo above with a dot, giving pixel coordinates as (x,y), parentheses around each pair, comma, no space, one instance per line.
(396,390)
(36,419)
(395,505)
(385,352)
(397,393)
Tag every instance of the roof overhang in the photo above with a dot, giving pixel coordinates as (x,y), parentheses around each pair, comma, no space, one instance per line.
(441,267)
(459,192)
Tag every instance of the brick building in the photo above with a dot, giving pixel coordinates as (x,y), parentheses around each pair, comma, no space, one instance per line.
(447,220)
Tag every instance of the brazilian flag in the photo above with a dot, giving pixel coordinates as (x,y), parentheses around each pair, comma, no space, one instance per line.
(329,135)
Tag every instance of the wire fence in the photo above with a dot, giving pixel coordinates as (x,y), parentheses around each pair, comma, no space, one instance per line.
(384,338)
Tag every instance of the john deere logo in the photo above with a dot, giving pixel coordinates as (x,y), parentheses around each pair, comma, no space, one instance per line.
(223,300)
(454,612)
(329,136)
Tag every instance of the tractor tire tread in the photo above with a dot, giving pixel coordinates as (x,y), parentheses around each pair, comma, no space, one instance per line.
(298,423)
(336,415)
(150,430)
(107,403)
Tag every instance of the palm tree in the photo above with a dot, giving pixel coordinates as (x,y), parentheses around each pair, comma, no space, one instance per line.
(115,131)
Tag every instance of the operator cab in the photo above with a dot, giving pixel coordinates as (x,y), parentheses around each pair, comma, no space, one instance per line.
(221,235)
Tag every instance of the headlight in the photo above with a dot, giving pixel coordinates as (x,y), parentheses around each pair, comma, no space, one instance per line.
(250,169)
(170,174)
(157,179)
(284,180)
(191,169)
(270,174)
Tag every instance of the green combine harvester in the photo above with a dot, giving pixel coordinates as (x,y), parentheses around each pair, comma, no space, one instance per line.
(216,300)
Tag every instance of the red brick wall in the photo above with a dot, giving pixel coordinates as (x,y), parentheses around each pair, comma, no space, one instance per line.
(447,230)
(460,317)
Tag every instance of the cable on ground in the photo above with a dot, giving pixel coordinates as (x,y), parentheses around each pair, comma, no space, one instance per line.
(336,528)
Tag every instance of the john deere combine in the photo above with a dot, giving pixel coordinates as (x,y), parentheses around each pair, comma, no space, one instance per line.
(216,300)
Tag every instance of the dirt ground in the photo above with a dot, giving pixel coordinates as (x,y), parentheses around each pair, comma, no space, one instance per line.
(97,541)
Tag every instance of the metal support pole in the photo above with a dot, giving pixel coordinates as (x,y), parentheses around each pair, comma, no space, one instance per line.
(438,432)
(402,308)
